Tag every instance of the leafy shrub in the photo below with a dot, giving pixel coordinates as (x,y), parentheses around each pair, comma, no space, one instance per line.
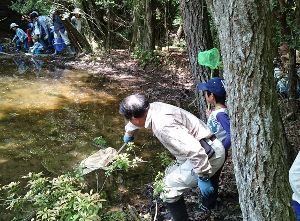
(60,198)
(115,216)
(165,158)
(145,57)
(99,141)
(158,185)
(124,161)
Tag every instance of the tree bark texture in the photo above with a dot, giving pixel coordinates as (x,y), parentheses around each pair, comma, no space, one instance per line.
(292,91)
(136,21)
(259,147)
(198,38)
(149,43)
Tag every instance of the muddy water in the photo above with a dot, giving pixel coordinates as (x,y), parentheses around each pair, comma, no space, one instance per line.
(50,115)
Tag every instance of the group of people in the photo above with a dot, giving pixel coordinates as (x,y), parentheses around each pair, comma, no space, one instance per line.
(45,34)
(200,149)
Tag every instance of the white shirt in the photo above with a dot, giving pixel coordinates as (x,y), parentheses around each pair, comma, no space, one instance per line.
(294,178)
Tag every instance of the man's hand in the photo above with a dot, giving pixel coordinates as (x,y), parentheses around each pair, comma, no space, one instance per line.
(128,138)
(46,37)
(205,186)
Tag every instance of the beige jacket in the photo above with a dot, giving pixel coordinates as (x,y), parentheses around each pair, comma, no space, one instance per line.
(179,131)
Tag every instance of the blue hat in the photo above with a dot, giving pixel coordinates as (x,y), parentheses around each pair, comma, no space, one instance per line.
(214,85)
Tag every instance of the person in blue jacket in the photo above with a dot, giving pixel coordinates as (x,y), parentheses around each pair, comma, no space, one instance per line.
(42,27)
(37,47)
(60,33)
(20,37)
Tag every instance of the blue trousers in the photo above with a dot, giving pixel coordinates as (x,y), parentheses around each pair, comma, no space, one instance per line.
(296,207)
(20,43)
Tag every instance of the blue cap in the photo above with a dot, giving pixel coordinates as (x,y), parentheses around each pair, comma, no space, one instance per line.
(214,85)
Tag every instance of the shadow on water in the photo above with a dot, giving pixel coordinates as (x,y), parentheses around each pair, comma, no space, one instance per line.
(49,117)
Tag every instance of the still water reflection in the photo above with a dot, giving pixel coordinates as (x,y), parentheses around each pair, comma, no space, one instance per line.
(49,116)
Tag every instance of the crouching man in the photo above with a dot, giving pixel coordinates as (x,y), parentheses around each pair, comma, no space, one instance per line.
(199,154)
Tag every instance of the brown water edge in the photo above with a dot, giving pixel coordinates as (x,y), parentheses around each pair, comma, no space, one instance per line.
(49,117)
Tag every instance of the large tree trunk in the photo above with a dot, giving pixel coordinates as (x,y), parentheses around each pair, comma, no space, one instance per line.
(259,147)
(198,38)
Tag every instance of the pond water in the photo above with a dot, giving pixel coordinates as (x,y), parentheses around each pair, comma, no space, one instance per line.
(50,115)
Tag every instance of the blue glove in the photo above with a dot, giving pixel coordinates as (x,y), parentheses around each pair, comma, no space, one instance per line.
(128,138)
(205,186)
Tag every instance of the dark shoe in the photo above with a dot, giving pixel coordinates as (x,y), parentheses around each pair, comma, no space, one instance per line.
(178,210)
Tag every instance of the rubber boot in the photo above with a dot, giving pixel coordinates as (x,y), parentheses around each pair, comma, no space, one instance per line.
(178,210)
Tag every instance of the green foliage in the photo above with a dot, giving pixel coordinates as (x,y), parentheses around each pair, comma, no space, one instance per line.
(290,33)
(124,161)
(165,158)
(146,57)
(27,6)
(158,185)
(115,216)
(61,198)
(177,21)
(99,141)
(105,4)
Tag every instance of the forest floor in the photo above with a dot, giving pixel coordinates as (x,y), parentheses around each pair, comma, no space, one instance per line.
(170,81)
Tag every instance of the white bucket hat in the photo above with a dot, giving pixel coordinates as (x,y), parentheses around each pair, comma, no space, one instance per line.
(77,11)
(12,25)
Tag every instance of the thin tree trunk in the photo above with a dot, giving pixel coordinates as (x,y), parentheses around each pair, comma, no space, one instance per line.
(198,38)
(108,41)
(166,23)
(292,76)
(297,13)
(135,26)
(259,147)
(292,73)
(148,27)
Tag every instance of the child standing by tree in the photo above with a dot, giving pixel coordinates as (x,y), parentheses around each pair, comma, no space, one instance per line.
(218,120)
